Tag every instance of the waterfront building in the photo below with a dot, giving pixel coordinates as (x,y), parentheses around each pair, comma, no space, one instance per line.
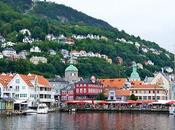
(116,89)
(58,84)
(31,89)
(88,89)
(67,93)
(148,91)
(162,80)
(6,105)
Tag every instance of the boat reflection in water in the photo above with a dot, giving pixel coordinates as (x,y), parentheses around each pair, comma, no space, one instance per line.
(89,121)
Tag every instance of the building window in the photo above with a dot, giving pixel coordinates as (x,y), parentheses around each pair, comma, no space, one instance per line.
(77,90)
(85,85)
(158,97)
(84,90)
(23,87)
(149,91)
(149,97)
(17,88)
(144,97)
(153,97)
(80,90)
(140,97)
(157,91)
(17,81)
(23,95)
(136,91)
(153,91)
(41,95)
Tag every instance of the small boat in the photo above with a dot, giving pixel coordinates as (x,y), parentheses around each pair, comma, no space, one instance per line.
(172,110)
(42,109)
(30,112)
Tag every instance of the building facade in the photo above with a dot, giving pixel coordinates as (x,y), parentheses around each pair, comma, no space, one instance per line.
(88,89)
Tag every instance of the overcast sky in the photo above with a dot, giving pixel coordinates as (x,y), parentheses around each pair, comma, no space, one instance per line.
(153,20)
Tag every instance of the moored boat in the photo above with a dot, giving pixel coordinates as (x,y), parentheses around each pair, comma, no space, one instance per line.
(42,109)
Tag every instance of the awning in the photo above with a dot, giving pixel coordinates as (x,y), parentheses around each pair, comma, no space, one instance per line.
(170,102)
(20,101)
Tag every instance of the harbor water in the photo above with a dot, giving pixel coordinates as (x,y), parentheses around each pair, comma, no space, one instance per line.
(89,121)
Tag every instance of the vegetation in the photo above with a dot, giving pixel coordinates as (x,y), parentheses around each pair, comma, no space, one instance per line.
(101,96)
(133,97)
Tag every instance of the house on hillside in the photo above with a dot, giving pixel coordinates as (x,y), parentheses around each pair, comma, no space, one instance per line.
(35,49)
(9,52)
(37,59)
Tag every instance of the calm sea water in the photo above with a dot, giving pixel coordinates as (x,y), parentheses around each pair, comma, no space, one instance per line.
(89,121)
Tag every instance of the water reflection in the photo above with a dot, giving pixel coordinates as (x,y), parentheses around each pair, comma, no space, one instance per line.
(89,121)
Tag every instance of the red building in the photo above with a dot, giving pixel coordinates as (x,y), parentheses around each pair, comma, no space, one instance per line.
(88,89)
(67,93)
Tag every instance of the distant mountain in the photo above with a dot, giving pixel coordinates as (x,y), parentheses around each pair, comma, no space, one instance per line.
(43,18)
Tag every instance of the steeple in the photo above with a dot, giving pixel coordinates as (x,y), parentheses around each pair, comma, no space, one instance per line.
(134,75)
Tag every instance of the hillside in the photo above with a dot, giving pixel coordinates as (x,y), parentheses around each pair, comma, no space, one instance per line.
(55,27)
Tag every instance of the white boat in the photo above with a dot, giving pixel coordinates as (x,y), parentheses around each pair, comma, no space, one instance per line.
(42,109)
(172,110)
(30,112)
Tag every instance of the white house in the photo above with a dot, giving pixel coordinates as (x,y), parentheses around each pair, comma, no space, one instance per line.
(36,59)
(52,52)
(30,88)
(9,52)
(35,49)
(25,32)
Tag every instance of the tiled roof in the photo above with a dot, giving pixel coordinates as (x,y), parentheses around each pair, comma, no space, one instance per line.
(147,86)
(123,93)
(136,83)
(114,83)
(5,79)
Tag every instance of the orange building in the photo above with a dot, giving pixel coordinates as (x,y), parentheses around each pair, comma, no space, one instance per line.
(116,89)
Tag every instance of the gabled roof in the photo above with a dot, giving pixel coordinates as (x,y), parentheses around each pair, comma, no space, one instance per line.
(114,83)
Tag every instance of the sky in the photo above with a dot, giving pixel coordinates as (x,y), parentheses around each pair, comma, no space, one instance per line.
(152,20)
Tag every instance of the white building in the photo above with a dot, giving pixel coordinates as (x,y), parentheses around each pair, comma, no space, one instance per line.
(9,52)
(25,32)
(161,80)
(35,60)
(52,52)
(30,88)
(35,49)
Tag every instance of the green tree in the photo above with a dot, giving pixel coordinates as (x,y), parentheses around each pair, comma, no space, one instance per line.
(101,96)
(133,97)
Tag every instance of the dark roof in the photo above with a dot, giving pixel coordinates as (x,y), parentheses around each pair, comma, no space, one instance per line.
(88,81)
(57,79)
(69,87)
